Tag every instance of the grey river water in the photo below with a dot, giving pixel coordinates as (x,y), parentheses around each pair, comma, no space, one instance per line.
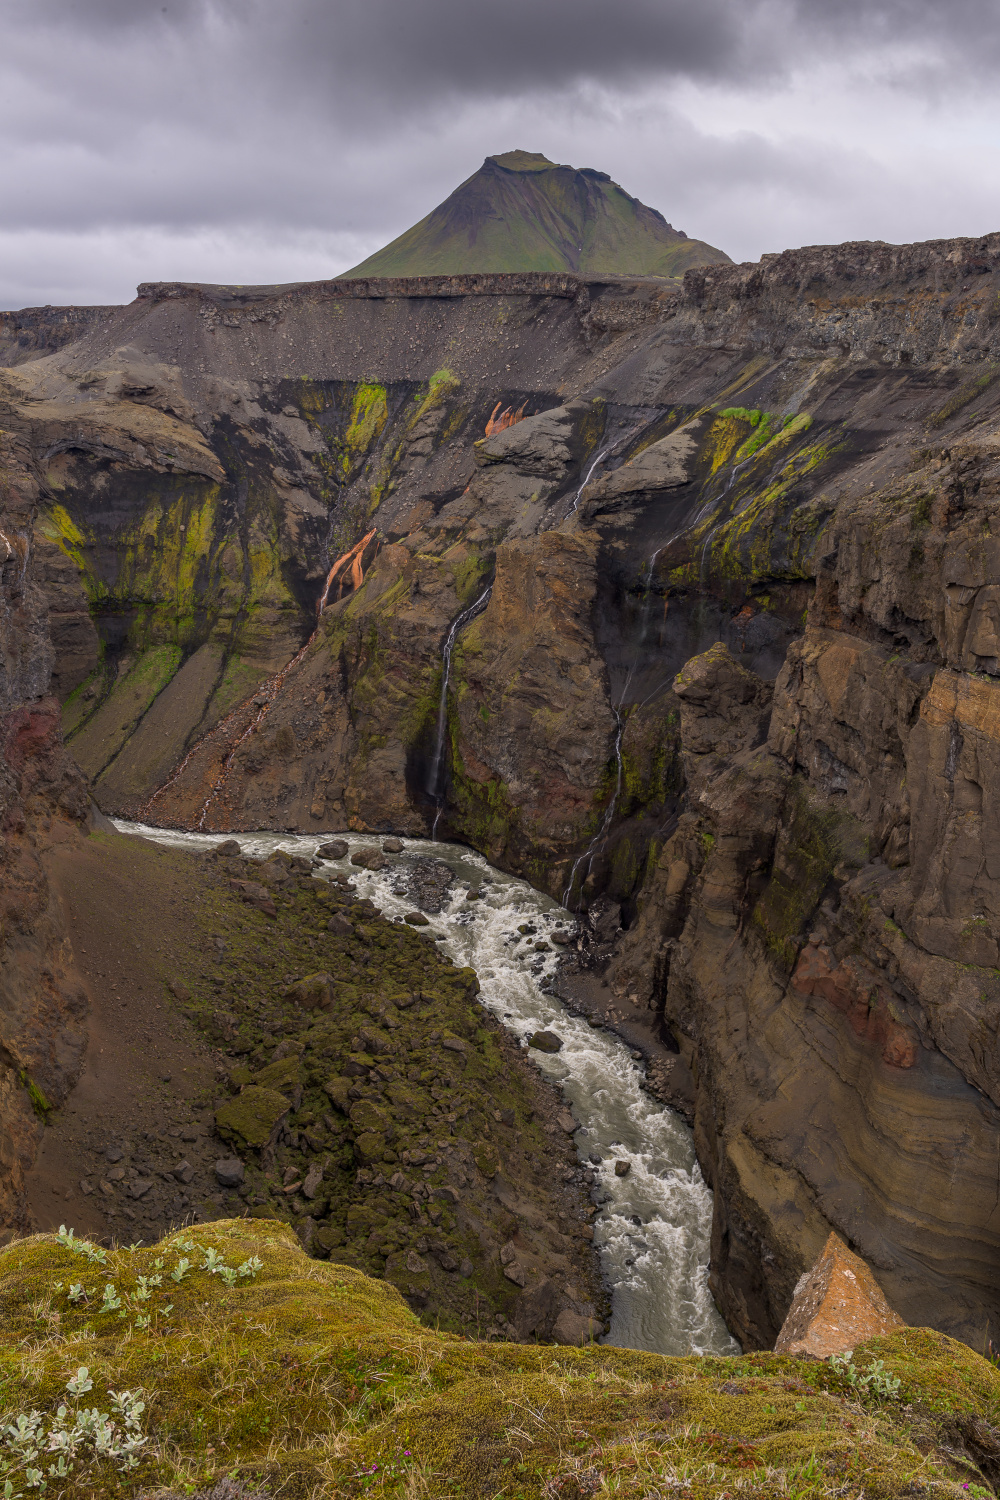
(652,1233)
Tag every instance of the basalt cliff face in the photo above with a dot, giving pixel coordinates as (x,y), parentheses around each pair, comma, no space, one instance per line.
(43,802)
(735,671)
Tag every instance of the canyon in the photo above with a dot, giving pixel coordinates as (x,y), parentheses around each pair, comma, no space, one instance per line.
(726,683)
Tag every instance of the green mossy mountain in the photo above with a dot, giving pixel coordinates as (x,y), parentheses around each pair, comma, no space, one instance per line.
(522,212)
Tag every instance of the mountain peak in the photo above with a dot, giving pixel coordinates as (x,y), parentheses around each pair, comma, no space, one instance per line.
(521,161)
(522,212)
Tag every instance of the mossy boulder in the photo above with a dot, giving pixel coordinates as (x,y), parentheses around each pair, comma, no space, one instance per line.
(314,992)
(253,1117)
(281,1076)
(308,1379)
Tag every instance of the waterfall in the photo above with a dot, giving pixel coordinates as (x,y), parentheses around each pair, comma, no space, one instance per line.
(609,811)
(435,781)
(586,478)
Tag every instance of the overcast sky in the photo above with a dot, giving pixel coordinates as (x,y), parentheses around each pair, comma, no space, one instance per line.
(274,140)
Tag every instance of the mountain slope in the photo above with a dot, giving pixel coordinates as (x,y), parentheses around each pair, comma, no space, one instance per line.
(521,212)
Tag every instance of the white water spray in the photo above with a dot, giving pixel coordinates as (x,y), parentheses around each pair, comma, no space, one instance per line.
(652,1234)
(587,477)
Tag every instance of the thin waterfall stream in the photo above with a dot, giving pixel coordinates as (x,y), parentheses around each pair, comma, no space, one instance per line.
(652,1231)
(436,780)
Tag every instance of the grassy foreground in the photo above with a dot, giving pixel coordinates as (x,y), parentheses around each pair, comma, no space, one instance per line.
(311,1379)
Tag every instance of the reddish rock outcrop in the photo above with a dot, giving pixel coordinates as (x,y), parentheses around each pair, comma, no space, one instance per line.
(837,1305)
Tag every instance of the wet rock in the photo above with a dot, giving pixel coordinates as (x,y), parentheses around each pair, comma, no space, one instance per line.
(334,849)
(230,1172)
(369,859)
(230,849)
(837,1305)
(664,465)
(392,846)
(416,919)
(622,1168)
(426,883)
(545,1041)
(566,1122)
(604,920)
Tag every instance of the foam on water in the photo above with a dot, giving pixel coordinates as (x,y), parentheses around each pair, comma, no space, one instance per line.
(653,1229)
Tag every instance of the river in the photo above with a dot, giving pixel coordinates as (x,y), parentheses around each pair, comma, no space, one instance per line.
(652,1231)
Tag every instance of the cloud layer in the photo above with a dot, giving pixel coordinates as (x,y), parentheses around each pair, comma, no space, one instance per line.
(238,140)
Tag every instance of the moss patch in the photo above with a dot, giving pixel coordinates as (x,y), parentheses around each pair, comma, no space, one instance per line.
(316,1381)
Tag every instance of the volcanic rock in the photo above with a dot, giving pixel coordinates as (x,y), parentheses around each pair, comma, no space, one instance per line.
(837,1305)
(545,1041)
(333,849)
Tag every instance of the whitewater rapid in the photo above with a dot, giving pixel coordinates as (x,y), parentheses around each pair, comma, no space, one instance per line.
(652,1231)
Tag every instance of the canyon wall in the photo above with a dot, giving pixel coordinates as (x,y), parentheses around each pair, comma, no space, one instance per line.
(734,671)
(43,801)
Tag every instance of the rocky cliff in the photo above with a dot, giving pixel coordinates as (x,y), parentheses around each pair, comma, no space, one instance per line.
(723,564)
(43,802)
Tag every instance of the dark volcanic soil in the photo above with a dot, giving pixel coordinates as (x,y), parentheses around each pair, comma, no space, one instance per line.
(149,1077)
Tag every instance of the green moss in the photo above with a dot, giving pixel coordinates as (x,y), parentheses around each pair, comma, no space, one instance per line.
(470,575)
(812,843)
(312,1380)
(252,1117)
(961,398)
(39,1102)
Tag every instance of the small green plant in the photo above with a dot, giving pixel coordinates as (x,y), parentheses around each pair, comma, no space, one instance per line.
(874,1382)
(181,1269)
(75,1437)
(112,1302)
(93,1253)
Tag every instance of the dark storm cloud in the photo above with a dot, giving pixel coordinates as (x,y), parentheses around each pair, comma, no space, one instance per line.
(395,50)
(246,139)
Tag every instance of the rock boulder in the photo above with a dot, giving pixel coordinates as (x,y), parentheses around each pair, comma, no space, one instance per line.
(837,1305)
